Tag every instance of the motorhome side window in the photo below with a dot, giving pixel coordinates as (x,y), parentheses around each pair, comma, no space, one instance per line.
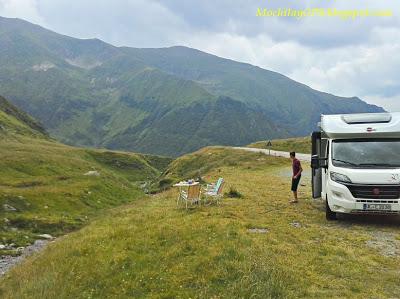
(368,153)
(324,148)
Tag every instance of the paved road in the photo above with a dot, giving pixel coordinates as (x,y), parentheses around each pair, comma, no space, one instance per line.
(301,157)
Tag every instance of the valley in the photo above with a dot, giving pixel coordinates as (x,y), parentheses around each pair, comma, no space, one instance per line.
(146,151)
(50,188)
(257,246)
(119,233)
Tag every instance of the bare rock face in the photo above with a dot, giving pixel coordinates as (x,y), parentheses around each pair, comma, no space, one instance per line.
(43,67)
(46,236)
(296,224)
(92,173)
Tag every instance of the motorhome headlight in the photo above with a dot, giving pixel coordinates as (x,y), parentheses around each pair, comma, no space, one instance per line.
(340,178)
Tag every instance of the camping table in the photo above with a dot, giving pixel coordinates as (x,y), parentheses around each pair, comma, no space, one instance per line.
(184,185)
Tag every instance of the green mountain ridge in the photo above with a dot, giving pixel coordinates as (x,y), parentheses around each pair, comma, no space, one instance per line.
(165,101)
(284,99)
(48,187)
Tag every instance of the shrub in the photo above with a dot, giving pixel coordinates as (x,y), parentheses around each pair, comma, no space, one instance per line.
(233,193)
(165,183)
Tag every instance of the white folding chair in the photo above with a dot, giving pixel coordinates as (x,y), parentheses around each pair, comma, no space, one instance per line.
(214,191)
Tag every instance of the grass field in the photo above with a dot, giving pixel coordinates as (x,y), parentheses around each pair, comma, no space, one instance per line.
(298,144)
(45,184)
(152,249)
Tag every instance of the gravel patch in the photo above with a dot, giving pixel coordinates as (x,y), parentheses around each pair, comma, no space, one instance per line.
(8,261)
(386,243)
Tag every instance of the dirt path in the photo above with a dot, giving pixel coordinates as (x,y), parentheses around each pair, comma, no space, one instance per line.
(301,157)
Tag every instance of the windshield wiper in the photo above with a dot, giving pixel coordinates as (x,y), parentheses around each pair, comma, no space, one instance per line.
(345,162)
(379,164)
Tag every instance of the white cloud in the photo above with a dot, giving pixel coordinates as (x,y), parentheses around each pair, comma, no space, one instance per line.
(389,103)
(24,9)
(141,23)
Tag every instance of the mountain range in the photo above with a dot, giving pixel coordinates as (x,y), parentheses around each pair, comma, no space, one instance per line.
(165,101)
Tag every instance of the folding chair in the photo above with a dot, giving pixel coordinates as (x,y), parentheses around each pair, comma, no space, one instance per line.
(191,196)
(214,190)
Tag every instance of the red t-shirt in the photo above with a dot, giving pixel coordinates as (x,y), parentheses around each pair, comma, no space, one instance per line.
(296,166)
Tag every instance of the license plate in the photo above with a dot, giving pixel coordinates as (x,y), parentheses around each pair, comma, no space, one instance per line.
(377,207)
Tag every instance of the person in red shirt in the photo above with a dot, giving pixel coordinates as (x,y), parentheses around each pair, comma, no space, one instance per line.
(297,169)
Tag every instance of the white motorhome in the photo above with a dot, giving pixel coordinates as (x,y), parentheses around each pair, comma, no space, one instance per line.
(356,163)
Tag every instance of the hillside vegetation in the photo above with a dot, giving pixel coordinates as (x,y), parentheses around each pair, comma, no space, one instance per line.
(258,246)
(15,122)
(167,101)
(298,144)
(47,187)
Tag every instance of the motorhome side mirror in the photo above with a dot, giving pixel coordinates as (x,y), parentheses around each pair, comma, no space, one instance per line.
(315,162)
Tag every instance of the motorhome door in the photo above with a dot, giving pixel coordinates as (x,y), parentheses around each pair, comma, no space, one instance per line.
(316,171)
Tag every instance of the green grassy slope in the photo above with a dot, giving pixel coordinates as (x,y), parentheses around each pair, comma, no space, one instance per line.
(299,144)
(196,165)
(161,101)
(14,121)
(152,249)
(45,181)
(187,128)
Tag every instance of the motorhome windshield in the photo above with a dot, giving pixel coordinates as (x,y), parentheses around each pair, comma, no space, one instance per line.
(368,153)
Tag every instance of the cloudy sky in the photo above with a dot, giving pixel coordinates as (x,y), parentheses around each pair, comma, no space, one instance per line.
(358,57)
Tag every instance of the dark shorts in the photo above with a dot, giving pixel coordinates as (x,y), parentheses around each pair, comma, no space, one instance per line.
(295,183)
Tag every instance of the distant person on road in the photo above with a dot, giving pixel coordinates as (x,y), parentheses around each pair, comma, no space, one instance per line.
(297,169)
